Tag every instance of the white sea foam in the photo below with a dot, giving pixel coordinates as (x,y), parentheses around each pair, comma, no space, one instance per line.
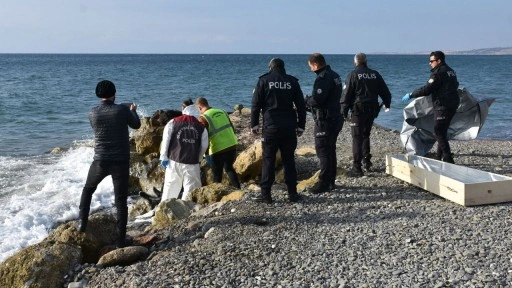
(37,192)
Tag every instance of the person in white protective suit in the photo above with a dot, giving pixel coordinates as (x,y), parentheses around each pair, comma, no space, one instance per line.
(184,142)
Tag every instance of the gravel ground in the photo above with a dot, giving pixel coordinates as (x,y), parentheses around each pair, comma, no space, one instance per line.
(373,231)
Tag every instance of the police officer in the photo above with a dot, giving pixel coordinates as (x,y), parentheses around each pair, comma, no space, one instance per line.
(360,96)
(279,98)
(325,105)
(442,85)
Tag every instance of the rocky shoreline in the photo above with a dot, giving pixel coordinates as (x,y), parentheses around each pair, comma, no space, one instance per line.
(373,231)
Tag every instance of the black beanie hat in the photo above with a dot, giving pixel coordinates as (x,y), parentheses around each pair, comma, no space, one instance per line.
(105,89)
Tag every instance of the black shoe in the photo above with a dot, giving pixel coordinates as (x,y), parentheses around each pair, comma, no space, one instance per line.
(262,199)
(81,225)
(128,241)
(448,159)
(294,197)
(333,186)
(319,188)
(356,172)
(367,166)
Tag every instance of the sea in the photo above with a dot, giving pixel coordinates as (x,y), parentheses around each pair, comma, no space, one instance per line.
(45,99)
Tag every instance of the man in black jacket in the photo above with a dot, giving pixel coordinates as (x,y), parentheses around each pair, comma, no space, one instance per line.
(360,95)
(279,98)
(325,105)
(111,154)
(442,85)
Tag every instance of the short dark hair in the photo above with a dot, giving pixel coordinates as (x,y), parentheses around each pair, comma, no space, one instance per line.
(202,101)
(438,54)
(105,89)
(187,102)
(317,58)
(276,63)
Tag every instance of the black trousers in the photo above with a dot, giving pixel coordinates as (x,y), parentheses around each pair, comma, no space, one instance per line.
(120,172)
(326,135)
(442,119)
(361,125)
(284,140)
(224,160)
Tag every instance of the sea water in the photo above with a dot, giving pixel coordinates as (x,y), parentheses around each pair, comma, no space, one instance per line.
(45,99)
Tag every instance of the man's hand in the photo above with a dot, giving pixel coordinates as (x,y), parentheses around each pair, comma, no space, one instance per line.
(133,106)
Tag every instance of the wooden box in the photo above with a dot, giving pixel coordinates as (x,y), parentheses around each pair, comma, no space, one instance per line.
(462,185)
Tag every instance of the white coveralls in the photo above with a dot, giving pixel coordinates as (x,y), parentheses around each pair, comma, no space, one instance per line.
(179,174)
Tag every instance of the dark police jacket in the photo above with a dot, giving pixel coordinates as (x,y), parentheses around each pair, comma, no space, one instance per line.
(110,124)
(443,85)
(326,94)
(363,87)
(279,97)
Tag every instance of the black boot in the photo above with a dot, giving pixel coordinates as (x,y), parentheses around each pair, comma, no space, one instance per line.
(319,187)
(83,218)
(293,196)
(82,225)
(367,165)
(333,186)
(263,198)
(356,171)
(448,159)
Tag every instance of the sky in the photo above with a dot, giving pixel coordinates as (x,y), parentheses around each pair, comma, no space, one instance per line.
(254,27)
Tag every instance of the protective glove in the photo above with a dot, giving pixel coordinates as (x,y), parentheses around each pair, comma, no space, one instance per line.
(208,159)
(164,163)
(407,97)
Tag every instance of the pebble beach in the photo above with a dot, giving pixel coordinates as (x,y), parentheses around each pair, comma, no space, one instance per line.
(372,231)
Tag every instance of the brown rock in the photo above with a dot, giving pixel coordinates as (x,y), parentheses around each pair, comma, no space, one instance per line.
(170,211)
(210,193)
(124,256)
(233,196)
(42,265)
(101,231)
(249,162)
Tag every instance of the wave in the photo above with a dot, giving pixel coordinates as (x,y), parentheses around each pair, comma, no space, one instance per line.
(39,191)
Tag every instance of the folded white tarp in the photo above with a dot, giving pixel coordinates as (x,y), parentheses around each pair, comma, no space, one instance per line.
(417,133)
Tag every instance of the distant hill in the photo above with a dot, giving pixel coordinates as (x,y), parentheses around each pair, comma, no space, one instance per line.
(483,51)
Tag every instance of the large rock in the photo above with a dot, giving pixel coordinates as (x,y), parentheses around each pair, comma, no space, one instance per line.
(148,137)
(101,231)
(148,172)
(170,211)
(211,193)
(249,162)
(42,265)
(45,264)
(124,256)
